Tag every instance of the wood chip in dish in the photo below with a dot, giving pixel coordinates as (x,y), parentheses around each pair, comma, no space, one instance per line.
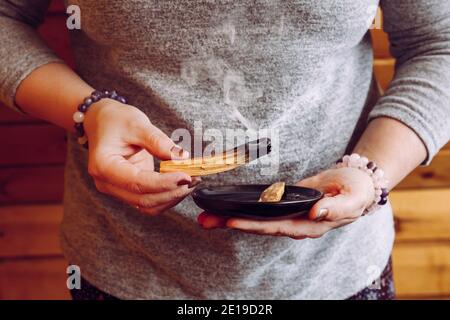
(274,193)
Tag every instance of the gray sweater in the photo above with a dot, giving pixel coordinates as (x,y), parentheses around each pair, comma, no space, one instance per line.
(301,67)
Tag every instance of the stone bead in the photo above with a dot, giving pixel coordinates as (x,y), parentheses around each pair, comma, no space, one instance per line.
(370,165)
(355,156)
(78,117)
(378,193)
(78,126)
(88,102)
(363,162)
(379,173)
(96,95)
(353,161)
(82,140)
(384,192)
(121,99)
(79,129)
(80,132)
(376,184)
(82,108)
(113,94)
(382,202)
(345,159)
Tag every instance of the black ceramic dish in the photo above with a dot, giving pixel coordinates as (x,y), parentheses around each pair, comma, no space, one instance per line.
(242,201)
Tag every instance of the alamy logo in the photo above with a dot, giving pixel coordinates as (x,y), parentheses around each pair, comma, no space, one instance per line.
(73,22)
(74,278)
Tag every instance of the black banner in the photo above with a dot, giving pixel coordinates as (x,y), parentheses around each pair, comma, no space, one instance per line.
(242,309)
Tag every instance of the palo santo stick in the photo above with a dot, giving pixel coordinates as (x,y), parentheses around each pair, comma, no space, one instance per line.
(274,193)
(228,160)
(204,166)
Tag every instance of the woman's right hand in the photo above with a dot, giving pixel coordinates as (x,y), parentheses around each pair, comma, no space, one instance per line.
(122,143)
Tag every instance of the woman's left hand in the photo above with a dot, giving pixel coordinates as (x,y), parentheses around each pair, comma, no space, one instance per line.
(348,192)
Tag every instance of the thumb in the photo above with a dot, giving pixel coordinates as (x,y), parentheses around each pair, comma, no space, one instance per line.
(311,182)
(160,145)
(332,208)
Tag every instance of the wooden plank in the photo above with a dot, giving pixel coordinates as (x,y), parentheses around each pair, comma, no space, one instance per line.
(30,230)
(437,174)
(33,279)
(56,35)
(380,43)
(31,184)
(32,144)
(422,270)
(384,72)
(424,297)
(9,116)
(422,215)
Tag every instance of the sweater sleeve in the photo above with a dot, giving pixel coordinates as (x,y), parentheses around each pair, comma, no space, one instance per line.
(419,95)
(21,50)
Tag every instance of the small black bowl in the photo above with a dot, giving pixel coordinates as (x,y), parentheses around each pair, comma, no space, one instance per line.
(242,201)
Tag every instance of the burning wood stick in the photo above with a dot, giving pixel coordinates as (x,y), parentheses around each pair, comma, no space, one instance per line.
(228,160)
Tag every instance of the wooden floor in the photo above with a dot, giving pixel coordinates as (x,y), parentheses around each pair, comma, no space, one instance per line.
(31,180)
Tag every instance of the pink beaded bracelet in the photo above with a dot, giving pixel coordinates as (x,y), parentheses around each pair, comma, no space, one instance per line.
(379,182)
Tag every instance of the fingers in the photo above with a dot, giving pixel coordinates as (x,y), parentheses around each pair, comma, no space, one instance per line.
(341,206)
(293,228)
(152,203)
(153,211)
(116,170)
(159,144)
(211,221)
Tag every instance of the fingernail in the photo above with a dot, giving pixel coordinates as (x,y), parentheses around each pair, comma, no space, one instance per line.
(201,218)
(195,182)
(179,152)
(322,214)
(183,182)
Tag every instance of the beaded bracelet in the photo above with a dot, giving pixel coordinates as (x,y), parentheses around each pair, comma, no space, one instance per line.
(79,115)
(380,184)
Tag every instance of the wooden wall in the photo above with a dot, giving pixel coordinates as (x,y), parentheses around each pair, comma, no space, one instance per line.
(422,212)
(31,188)
(31,182)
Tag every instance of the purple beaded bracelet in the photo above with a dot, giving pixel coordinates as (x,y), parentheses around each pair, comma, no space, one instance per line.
(79,115)
(379,182)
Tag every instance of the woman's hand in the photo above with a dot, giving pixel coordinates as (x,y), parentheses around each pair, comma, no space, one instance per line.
(348,192)
(122,143)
